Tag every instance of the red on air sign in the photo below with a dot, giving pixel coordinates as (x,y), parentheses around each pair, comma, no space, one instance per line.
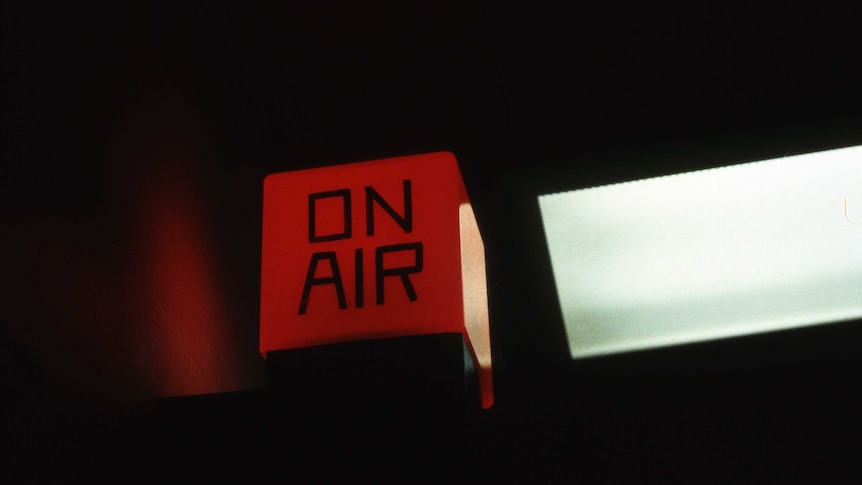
(370,250)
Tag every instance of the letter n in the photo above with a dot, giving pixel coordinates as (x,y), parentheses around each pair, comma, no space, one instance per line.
(405,221)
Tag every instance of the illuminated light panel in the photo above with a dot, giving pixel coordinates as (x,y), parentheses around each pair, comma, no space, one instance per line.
(704,255)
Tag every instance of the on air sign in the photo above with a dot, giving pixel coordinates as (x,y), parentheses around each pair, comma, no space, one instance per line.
(370,250)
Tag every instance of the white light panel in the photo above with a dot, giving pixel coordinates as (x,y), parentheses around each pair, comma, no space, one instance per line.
(710,254)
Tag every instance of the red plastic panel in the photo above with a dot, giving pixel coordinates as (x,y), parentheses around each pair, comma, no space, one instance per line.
(373,250)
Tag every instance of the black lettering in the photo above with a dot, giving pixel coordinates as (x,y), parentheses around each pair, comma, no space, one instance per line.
(403,272)
(406,221)
(311,280)
(360,290)
(312,202)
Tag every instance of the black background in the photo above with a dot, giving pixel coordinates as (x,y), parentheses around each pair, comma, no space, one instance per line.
(106,105)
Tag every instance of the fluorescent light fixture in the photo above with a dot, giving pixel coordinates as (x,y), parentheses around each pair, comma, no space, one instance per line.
(710,254)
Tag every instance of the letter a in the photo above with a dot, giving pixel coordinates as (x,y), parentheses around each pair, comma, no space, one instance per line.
(311,280)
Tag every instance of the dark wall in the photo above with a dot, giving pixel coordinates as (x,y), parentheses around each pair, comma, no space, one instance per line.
(136,138)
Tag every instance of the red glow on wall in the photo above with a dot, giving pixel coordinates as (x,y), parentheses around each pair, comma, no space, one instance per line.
(128,299)
(184,311)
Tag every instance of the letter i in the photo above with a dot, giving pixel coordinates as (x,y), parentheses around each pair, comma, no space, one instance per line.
(360,289)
